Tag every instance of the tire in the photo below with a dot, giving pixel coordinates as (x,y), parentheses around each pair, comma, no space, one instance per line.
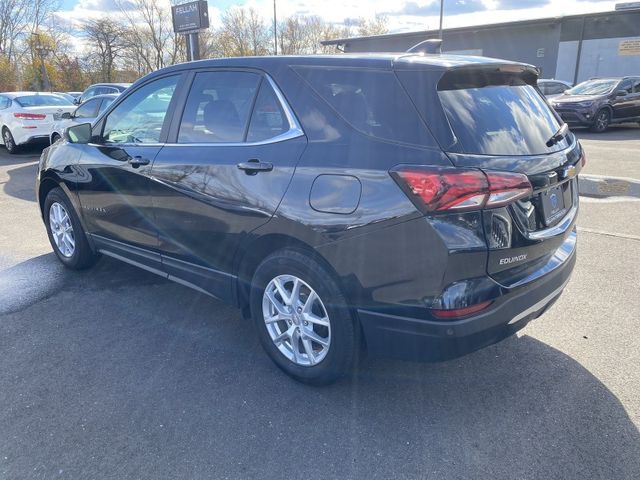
(340,333)
(9,142)
(59,217)
(601,121)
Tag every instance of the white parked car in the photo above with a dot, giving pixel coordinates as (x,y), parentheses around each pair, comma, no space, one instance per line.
(27,117)
(84,113)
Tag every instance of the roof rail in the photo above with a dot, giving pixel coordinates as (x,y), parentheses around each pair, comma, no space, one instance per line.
(433,45)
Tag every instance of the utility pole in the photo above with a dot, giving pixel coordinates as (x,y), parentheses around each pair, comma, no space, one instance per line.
(275,29)
(43,51)
(441,15)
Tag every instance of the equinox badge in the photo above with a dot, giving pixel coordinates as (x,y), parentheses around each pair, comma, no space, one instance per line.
(509,260)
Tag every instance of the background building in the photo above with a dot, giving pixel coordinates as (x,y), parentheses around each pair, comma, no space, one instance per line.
(572,48)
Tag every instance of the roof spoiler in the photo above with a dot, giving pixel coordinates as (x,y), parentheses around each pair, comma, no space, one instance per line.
(433,45)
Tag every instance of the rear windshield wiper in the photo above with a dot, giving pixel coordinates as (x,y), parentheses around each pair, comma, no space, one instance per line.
(559,135)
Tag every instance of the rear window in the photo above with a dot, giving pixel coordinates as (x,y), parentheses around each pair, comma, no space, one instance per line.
(371,101)
(497,114)
(42,101)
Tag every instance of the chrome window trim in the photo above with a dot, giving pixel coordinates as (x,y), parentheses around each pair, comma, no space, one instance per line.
(295,130)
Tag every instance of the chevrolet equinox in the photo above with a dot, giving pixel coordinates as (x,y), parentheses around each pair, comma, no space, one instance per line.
(418,205)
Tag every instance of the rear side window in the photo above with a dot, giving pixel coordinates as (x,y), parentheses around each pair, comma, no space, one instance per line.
(105,103)
(371,101)
(497,114)
(89,109)
(218,106)
(268,119)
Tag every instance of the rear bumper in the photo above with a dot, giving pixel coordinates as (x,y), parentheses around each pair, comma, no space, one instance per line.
(419,339)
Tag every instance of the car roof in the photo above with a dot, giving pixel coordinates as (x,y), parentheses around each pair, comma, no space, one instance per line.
(124,85)
(13,95)
(104,95)
(369,60)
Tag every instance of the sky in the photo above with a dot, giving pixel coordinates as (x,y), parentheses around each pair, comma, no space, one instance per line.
(403,15)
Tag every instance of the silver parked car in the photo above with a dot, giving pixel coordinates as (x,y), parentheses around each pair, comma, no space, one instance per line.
(551,88)
(84,113)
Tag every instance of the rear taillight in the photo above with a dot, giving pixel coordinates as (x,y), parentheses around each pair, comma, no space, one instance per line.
(460,189)
(30,116)
(460,312)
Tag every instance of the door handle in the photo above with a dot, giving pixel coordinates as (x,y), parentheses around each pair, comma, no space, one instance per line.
(137,161)
(254,166)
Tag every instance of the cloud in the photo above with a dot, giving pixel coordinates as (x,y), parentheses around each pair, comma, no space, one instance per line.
(433,8)
(519,4)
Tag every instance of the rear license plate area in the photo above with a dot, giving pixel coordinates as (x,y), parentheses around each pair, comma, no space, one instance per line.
(555,201)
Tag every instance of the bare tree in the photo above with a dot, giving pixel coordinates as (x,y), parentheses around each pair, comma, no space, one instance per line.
(149,35)
(243,33)
(18,18)
(375,26)
(106,42)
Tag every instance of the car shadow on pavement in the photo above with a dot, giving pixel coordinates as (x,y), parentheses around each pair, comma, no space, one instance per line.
(615,133)
(21,182)
(123,373)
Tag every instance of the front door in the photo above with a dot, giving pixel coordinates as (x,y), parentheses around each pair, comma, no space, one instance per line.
(113,173)
(233,154)
(623,105)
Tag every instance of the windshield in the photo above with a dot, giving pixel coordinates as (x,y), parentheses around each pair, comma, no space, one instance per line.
(43,101)
(511,119)
(593,87)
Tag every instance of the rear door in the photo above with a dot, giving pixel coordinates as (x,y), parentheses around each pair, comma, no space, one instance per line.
(231,155)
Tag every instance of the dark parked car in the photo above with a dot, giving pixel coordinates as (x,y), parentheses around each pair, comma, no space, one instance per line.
(416,205)
(101,89)
(600,102)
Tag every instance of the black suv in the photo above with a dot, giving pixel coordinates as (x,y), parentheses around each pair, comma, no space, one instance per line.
(599,102)
(418,205)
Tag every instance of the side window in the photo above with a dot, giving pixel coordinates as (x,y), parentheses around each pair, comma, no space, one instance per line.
(555,88)
(4,103)
(218,106)
(371,101)
(636,85)
(268,120)
(105,103)
(544,88)
(88,109)
(140,117)
(88,94)
(626,86)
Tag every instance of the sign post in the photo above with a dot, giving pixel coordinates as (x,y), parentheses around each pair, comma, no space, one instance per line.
(188,19)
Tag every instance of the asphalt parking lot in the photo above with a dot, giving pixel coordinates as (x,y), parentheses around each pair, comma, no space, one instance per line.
(116,373)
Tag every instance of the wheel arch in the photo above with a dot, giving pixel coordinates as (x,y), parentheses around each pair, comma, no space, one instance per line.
(261,248)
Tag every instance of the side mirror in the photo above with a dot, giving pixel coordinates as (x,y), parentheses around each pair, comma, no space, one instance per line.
(621,93)
(66,116)
(78,133)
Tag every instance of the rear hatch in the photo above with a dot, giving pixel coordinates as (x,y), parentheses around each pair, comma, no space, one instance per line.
(493,118)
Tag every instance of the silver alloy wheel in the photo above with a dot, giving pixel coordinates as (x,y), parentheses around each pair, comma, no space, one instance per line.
(602,122)
(8,140)
(62,230)
(296,320)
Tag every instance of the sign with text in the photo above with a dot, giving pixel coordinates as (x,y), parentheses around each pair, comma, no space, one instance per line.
(190,17)
(629,47)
